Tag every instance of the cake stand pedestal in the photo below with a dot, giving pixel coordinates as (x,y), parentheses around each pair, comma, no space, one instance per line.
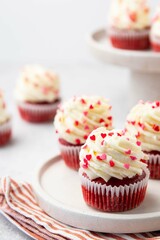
(144,66)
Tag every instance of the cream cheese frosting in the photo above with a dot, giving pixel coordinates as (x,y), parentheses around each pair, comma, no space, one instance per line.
(155,29)
(4,116)
(109,154)
(143,121)
(129,14)
(77,117)
(37,84)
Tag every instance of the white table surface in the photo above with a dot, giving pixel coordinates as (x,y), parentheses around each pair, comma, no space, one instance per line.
(34,143)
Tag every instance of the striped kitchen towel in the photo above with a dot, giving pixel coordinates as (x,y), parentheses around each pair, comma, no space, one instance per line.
(18,205)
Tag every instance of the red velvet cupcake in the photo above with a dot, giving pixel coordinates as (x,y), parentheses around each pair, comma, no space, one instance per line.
(155,32)
(129,25)
(143,121)
(113,176)
(37,94)
(75,120)
(5,123)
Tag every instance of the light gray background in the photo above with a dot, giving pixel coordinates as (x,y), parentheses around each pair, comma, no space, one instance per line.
(51,32)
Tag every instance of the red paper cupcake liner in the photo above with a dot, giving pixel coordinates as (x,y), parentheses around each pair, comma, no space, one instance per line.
(37,113)
(5,133)
(154,166)
(155,43)
(130,39)
(70,155)
(114,199)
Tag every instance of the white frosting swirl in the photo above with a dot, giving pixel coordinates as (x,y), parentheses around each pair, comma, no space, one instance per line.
(80,115)
(4,116)
(37,84)
(109,154)
(144,122)
(155,29)
(127,14)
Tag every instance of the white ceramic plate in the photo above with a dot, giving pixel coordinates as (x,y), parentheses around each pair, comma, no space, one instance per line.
(58,192)
(147,61)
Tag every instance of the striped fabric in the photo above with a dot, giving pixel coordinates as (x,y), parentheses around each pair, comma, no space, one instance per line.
(18,205)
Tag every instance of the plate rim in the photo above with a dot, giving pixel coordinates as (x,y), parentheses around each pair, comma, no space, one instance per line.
(109,216)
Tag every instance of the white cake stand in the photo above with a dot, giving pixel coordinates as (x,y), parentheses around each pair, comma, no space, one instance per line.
(144,66)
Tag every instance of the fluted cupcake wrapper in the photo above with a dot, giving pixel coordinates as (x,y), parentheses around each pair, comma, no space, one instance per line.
(70,155)
(129,39)
(37,112)
(113,199)
(154,166)
(155,43)
(5,133)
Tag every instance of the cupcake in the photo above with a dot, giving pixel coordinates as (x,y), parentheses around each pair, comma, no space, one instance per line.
(129,24)
(143,121)
(155,31)
(112,172)
(37,94)
(5,123)
(74,121)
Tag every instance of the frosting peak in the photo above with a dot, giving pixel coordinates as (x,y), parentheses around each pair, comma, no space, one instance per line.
(4,117)
(127,14)
(155,29)
(76,118)
(143,121)
(37,84)
(109,154)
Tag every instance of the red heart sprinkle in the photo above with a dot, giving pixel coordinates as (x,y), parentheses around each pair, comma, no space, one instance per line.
(110,118)
(68,131)
(85,113)
(83,101)
(93,138)
(91,106)
(78,141)
(156,128)
(85,137)
(133,158)
(76,123)
(111,163)
(89,156)
(128,151)
(101,120)
(111,134)
(138,143)
(126,165)
(103,135)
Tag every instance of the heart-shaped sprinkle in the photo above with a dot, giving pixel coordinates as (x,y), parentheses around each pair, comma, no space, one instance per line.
(85,113)
(101,120)
(86,127)
(76,123)
(111,163)
(91,106)
(103,156)
(78,141)
(103,135)
(68,131)
(110,118)
(93,138)
(88,157)
(110,134)
(126,165)
(138,143)
(128,151)
(83,101)
(85,137)
(156,128)
(133,158)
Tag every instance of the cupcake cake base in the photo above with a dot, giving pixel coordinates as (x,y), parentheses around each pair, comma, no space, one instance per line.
(129,39)
(38,112)
(5,133)
(154,164)
(70,153)
(116,195)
